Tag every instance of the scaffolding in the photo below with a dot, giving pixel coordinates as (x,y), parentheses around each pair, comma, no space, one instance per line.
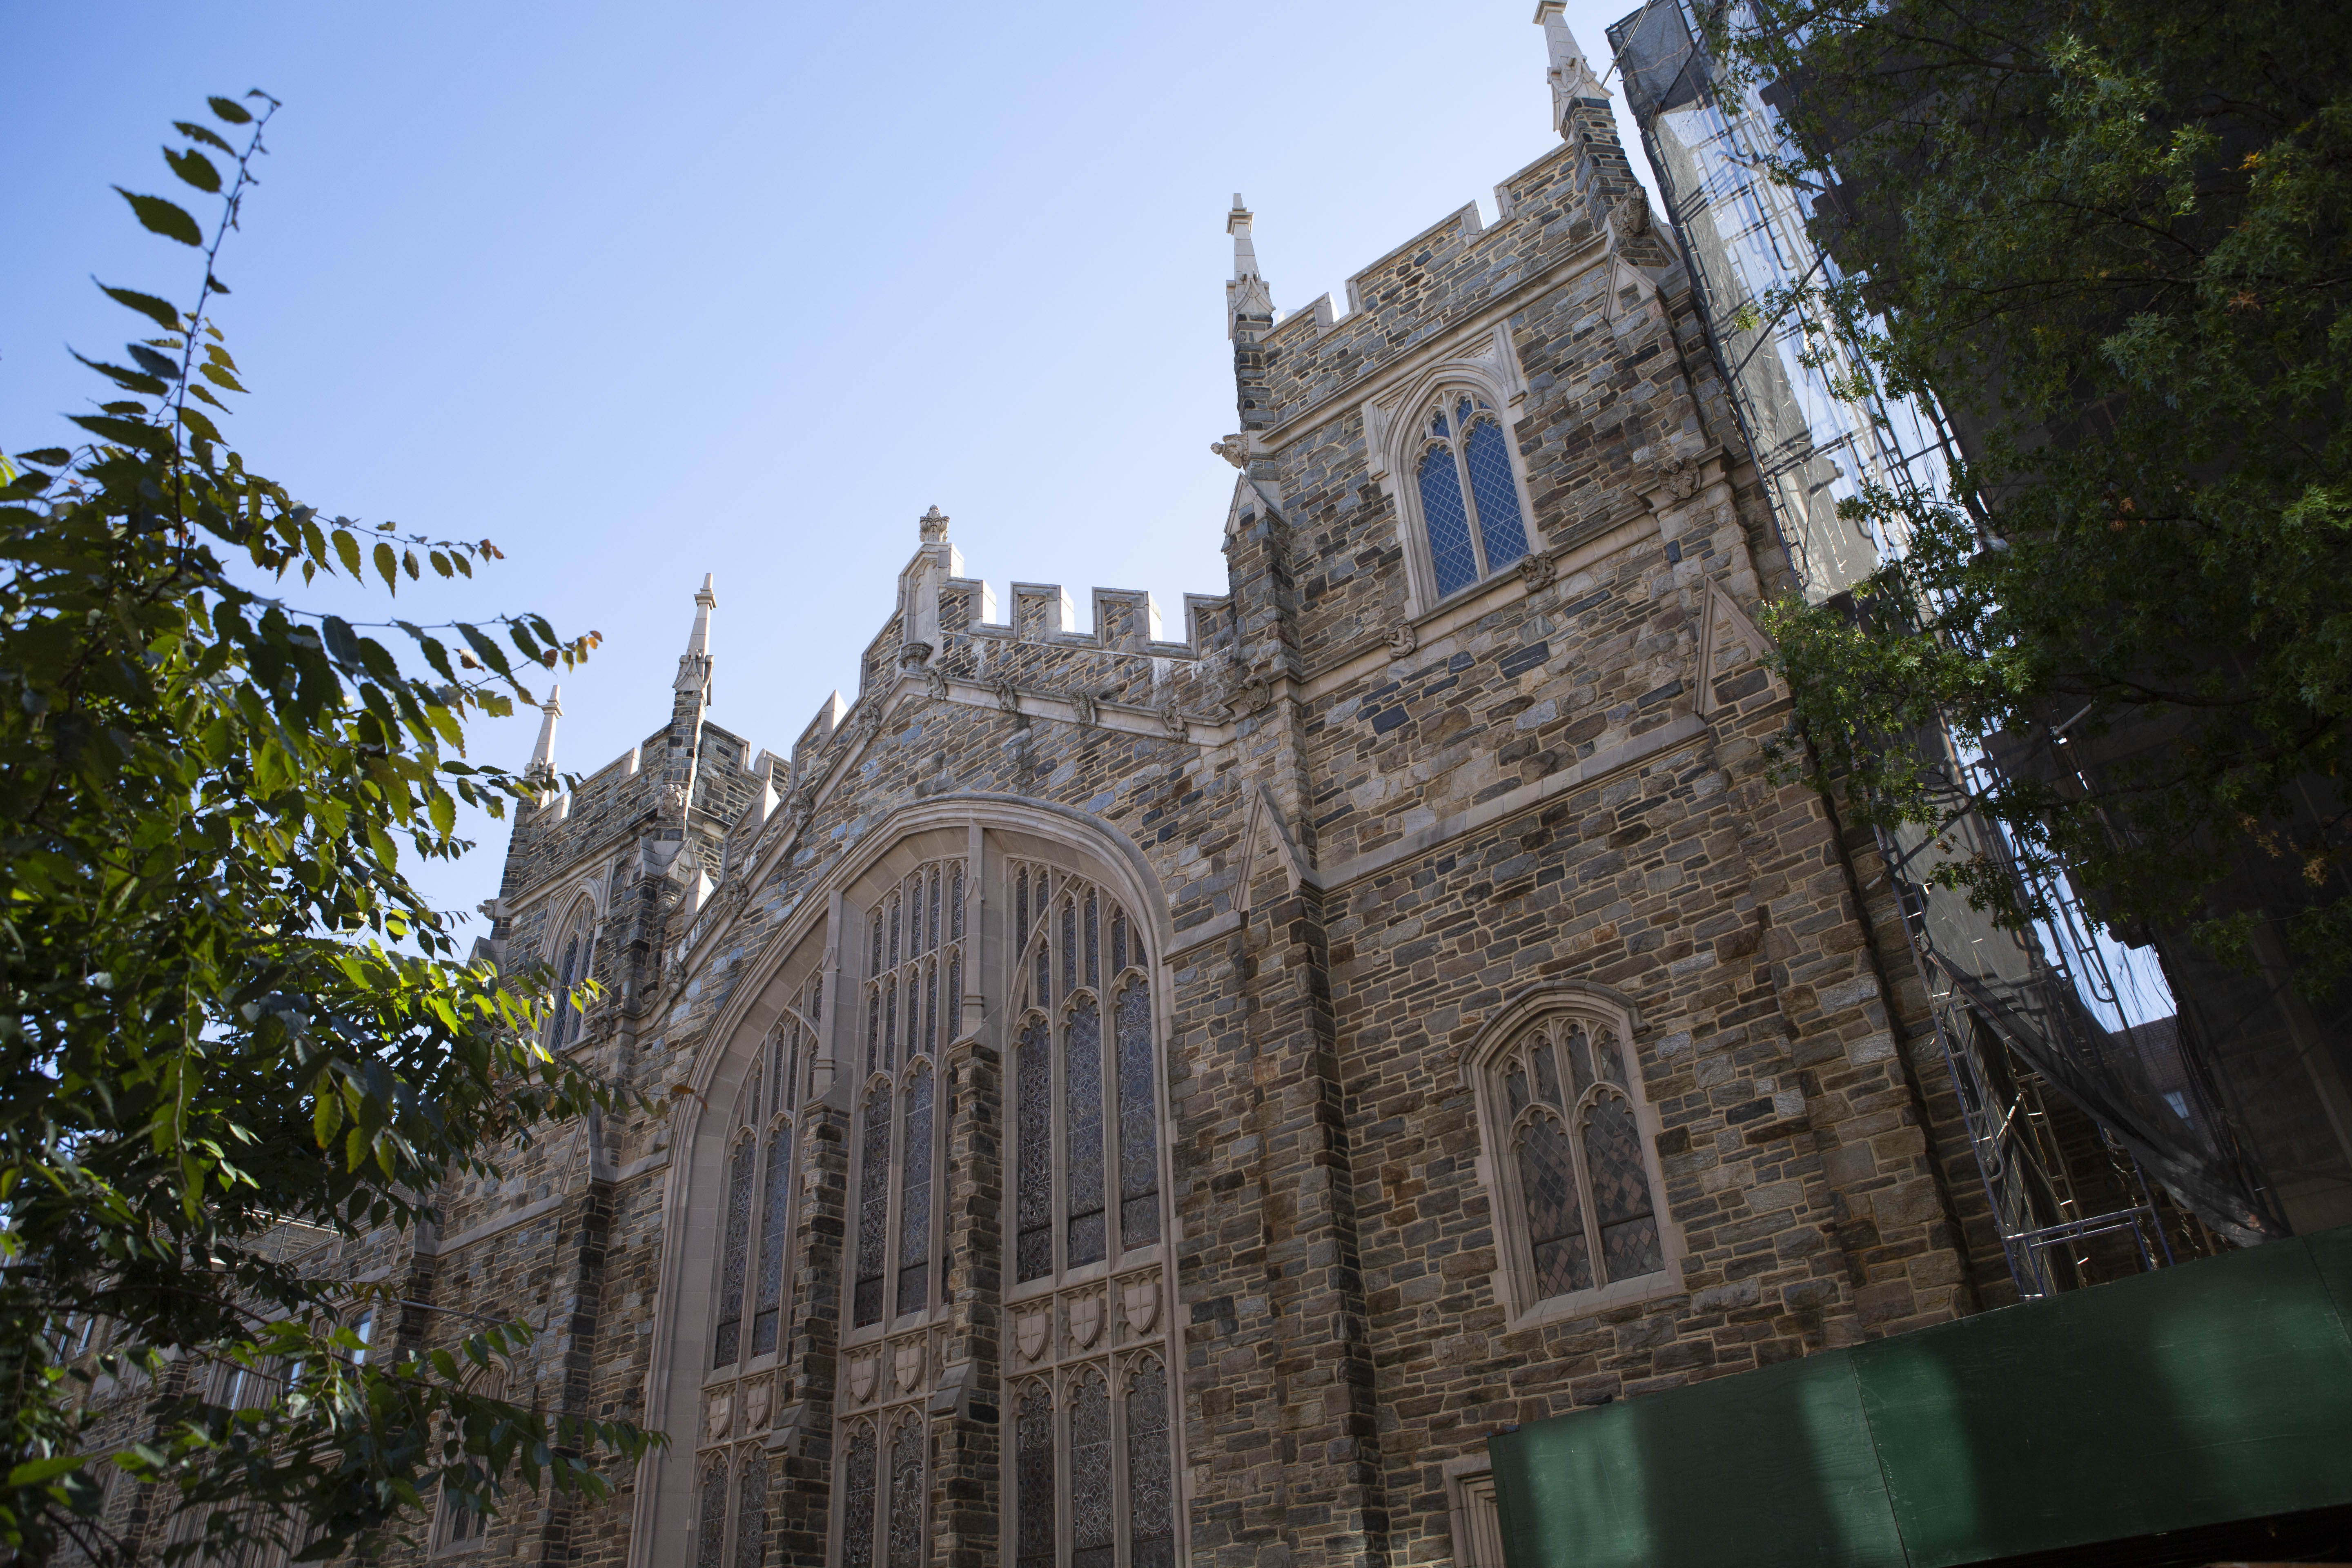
(2062,1008)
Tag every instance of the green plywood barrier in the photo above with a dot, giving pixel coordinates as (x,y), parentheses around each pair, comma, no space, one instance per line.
(2218,1391)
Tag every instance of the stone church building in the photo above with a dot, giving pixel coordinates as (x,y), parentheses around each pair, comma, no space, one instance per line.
(1166,1092)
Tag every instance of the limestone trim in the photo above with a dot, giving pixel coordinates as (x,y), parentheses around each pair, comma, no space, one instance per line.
(1470,1507)
(1397,442)
(1576,1096)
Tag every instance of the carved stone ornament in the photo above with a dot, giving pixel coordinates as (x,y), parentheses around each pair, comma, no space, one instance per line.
(1256,694)
(1681,479)
(1141,1299)
(1084,704)
(914,656)
(1171,718)
(1234,450)
(1632,215)
(935,677)
(1085,1320)
(1008,697)
(1403,639)
(934,525)
(862,1374)
(718,1418)
(909,1365)
(804,805)
(1539,570)
(1029,1335)
(869,721)
(755,1406)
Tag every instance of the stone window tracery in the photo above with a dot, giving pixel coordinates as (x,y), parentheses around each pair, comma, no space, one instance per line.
(914,985)
(1577,1193)
(1472,513)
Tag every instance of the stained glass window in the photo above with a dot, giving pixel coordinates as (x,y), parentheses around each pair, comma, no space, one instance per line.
(1082,1103)
(1555,1215)
(915,1199)
(1139,1120)
(1118,940)
(1033,1089)
(1572,1040)
(751,1513)
(710,1548)
(1620,1191)
(955,907)
(1020,907)
(1093,944)
(775,1236)
(1150,1506)
(1069,944)
(1449,525)
(732,1269)
(873,1207)
(890,1023)
(1093,1540)
(1546,1075)
(1500,528)
(1034,1479)
(857,1500)
(906,1496)
(930,1041)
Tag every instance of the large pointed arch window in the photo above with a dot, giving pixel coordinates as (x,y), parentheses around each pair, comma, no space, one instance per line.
(1569,1152)
(573,957)
(1471,508)
(1090,1449)
(756,1230)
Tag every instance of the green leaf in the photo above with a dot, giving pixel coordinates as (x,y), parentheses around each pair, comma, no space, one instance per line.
(195,168)
(195,133)
(387,564)
(164,217)
(201,425)
(152,362)
(33,1472)
(48,457)
(162,312)
(491,653)
(341,642)
(126,433)
(347,550)
(228,109)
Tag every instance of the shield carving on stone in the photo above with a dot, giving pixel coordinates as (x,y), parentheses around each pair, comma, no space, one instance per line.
(909,1366)
(1085,1319)
(755,1407)
(714,1422)
(1029,1335)
(861,1380)
(1141,1299)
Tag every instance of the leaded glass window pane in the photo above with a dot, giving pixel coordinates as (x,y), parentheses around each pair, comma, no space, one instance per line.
(1555,1215)
(1514,1086)
(1547,1074)
(873,1029)
(1139,1121)
(1449,524)
(775,1236)
(793,1070)
(1094,943)
(1612,1064)
(873,1207)
(906,1496)
(1034,1481)
(955,993)
(1500,528)
(915,1199)
(1020,907)
(876,967)
(930,1040)
(732,1269)
(857,1500)
(890,1023)
(1069,945)
(751,1513)
(1093,1540)
(893,930)
(1579,1048)
(1621,1192)
(1118,940)
(1034,1073)
(955,906)
(710,1548)
(1151,1514)
(1082,1103)
(1045,985)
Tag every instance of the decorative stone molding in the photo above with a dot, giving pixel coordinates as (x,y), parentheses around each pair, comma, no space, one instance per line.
(1403,639)
(1538,571)
(755,1405)
(907,1362)
(1008,698)
(863,1375)
(1085,1320)
(1140,1298)
(1171,718)
(1030,1332)
(718,1419)
(914,656)
(1234,450)
(1084,706)
(934,526)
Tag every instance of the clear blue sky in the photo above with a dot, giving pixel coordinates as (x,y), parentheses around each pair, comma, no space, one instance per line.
(641,292)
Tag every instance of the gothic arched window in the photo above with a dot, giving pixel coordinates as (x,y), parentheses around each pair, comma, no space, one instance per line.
(572,956)
(1469,496)
(1091,1452)
(756,1232)
(1577,1192)
(914,991)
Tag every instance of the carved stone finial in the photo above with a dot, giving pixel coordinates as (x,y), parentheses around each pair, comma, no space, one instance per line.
(1539,570)
(934,525)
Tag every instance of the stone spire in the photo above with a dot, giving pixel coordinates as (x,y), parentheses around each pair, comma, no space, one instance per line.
(543,756)
(694,664)
(1246,294)
(1571,76)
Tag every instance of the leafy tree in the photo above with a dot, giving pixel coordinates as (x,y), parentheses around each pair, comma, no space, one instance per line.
(224,1012)
(2111,240)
